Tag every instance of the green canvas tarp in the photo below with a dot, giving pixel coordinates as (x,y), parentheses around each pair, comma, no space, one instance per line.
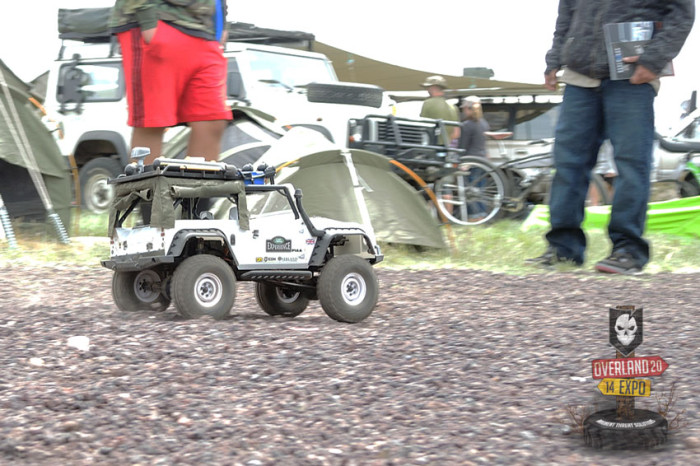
(677,217)
(162,192)
(18,190)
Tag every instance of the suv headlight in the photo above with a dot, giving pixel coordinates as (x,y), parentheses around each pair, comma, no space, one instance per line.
(354,132)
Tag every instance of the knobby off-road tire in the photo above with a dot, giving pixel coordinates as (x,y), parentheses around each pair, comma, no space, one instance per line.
(331,93)
(474,194)
(280,301)
(204,285)
(688,188)
(348,289)
(139,291)
(648,429)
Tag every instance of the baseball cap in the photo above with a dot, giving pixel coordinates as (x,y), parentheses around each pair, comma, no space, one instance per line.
(435,81)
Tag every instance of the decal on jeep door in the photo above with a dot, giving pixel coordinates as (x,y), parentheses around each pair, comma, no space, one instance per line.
(278,244)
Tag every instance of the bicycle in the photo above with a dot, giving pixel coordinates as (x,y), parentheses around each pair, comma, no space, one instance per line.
(481,191)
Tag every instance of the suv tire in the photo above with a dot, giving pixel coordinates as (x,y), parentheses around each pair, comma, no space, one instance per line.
(689,188)
(348,289)
(204,285)
(96,195)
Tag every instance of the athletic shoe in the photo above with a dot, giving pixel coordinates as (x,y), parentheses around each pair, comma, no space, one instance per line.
(549,259)
(620,262)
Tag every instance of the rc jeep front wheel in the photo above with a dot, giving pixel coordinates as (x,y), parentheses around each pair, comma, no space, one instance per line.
(203,285)
(138,291)
(348,289)
(279,301)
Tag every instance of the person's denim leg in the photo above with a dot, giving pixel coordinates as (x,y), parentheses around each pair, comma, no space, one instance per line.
(629,122)
(578,137)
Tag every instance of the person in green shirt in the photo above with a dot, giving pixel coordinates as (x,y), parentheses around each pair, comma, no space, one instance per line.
(437,107)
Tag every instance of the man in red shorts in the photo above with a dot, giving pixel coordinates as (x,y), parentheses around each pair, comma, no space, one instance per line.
(175,71)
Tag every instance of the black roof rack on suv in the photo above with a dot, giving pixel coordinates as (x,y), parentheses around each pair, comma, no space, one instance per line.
(92,25)
(245,32)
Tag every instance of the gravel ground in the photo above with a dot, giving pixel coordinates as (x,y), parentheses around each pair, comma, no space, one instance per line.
(453,367)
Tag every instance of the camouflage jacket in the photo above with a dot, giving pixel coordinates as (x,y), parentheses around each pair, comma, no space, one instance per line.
(579,39)
(193,17)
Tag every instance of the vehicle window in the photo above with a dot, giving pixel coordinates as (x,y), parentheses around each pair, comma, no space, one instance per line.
(498,120)
(93,82)
(289,70)
(234,83)
(533,125)
(524,123)
(270,202)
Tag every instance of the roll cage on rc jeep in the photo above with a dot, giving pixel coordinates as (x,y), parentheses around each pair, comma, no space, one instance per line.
(212,225)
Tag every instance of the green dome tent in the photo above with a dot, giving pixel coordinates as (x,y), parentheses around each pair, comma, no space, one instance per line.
(353,185)
(340,184)
(35,179)
(362,187)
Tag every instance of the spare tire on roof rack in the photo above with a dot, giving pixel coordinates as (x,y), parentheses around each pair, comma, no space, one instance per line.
(84,24)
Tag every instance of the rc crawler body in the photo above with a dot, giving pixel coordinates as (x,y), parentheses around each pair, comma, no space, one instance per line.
(212,225)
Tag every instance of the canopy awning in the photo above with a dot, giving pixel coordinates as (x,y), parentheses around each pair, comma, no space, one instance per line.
(405,83)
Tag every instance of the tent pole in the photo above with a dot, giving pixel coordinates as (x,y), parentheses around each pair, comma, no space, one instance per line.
(357,187)
(25,150)
(7,225)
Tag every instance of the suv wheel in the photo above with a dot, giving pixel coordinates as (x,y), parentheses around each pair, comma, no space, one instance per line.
(279,301)
(348,289)
(204,285)
(138,291)
(96,194)
(689,188)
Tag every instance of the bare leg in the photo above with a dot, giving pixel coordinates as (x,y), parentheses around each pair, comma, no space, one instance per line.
(151,138)
(205,139)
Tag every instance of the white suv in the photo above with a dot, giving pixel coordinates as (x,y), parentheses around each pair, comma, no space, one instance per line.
(86,92)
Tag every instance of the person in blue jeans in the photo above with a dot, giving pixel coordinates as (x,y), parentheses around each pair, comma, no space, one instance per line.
(595,107)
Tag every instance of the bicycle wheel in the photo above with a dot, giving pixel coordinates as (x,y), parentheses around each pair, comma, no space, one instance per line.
(473,194)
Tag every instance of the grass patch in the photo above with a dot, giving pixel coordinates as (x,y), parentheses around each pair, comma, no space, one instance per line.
(87,224)
(500,247)
(83,251)
(503,247)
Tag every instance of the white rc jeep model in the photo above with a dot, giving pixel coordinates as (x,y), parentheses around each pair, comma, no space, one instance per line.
(212,224)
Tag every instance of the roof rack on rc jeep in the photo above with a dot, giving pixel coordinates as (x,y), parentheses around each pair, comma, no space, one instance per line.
(197,168)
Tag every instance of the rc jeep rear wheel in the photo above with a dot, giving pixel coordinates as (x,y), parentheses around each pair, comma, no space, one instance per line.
(204,285)
(348,289)
(280,301)
(138,291)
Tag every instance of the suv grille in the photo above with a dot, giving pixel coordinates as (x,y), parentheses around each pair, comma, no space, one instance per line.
(410,134)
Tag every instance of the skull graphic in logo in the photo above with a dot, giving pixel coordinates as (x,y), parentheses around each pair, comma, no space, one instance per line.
(626,329)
